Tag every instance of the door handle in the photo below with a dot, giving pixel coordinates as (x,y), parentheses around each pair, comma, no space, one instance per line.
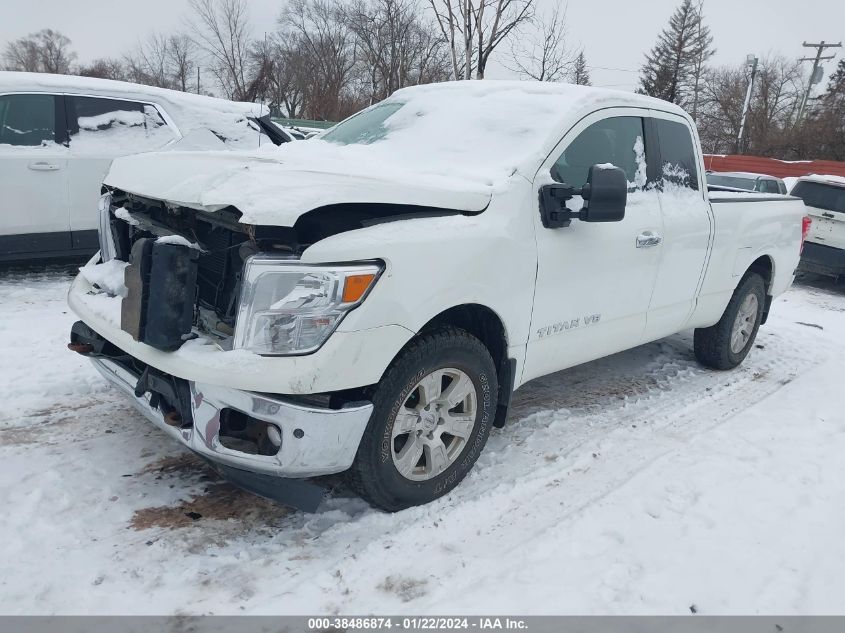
(827,215)
(648,239)
(44,166)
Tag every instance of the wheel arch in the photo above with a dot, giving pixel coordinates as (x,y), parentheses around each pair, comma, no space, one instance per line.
(765,267)
(486,325)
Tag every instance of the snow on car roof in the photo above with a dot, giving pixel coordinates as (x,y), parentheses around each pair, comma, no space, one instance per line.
(480,131)
(838,181)
(189,111)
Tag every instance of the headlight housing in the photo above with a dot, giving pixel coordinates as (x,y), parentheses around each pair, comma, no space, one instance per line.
(289,308)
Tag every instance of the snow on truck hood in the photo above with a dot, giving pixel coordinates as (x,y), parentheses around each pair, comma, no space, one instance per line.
(273,191)
(449,145)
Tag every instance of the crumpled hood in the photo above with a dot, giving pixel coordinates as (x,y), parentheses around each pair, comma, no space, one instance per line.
(275,190)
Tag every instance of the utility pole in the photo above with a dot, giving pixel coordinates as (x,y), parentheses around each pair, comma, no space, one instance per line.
(751,61)
(198,79)
(815,76)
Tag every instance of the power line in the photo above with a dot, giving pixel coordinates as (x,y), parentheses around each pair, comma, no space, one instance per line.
(814,77)
(621,70)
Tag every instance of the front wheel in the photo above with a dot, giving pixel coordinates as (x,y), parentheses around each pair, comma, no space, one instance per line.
(432,413)
(726,344)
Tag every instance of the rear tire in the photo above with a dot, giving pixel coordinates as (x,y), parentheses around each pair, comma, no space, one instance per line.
(407,456)
(726,344)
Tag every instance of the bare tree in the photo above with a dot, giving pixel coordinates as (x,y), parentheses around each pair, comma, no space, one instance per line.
(46,51)
(774,103)
(544,54)
(104,68)
(394,47)
(148,63)
(181,53)
(222,30)
(289,78)
(475,28)
(316,29)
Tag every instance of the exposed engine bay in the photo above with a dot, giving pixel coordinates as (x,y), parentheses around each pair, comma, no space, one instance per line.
(224,243)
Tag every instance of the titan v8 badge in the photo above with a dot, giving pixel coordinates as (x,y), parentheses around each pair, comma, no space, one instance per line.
(563,326)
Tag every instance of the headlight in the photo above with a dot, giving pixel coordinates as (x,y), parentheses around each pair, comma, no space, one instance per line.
(107,251)
(292,308)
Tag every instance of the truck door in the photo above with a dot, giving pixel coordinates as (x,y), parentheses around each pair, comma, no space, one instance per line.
(594,280)
(687,226)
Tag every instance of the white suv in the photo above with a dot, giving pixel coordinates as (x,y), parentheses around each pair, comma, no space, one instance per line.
(59,134)
(824,250)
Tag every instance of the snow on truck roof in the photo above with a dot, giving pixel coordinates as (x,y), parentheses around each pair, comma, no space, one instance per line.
(477,131)
(189,111)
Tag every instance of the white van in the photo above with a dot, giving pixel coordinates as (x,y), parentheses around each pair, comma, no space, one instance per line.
(59,134)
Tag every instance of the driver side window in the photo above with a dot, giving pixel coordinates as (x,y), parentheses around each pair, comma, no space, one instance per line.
(617,140)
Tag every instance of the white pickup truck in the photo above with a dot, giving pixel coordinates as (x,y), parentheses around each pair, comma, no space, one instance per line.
(368,301)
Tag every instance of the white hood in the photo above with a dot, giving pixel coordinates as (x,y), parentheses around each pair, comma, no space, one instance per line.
(273,190)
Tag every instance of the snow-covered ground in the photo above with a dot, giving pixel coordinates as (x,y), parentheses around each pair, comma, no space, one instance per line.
(640,483)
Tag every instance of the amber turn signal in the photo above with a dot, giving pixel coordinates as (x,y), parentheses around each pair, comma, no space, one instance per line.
(356,286)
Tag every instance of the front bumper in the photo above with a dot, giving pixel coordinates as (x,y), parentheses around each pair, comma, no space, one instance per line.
(347,360)
(315,441)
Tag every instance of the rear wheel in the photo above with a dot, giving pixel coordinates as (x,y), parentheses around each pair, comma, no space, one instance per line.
(433,411)
(726,344)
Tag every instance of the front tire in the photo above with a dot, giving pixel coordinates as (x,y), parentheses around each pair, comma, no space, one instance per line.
(432,414)
(726,344)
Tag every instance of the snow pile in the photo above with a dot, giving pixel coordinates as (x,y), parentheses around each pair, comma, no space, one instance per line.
(124,215)
(108,119)
(107,276)
(478,131)
(638,484)
(178,240)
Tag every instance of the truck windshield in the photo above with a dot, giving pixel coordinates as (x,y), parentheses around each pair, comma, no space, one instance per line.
(734,182)
(820,195)
(363,128)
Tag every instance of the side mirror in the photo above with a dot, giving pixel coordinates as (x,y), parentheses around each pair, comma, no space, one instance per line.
(605,196)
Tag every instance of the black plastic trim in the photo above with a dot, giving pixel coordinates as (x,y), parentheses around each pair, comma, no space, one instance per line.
(507,379)
(53,245)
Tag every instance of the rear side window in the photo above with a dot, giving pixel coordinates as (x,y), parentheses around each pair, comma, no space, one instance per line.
(28,120)
(768,186)
(677,154)
(114,126)
(820,195)
(617,140)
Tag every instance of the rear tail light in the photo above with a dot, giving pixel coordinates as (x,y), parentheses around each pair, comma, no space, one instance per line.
(805,230)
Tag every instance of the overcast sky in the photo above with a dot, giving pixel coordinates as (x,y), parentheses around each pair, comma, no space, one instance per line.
(615,34)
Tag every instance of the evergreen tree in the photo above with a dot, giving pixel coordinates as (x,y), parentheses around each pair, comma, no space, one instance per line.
(673,68)
(580,73)
(835,93)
